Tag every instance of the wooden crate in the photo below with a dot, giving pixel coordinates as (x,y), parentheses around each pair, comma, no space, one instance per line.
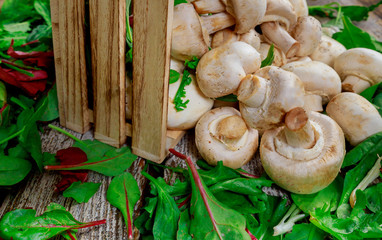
(151,59)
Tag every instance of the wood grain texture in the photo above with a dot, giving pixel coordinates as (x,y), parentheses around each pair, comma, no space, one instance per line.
(69,55)
(151,56)
(38,192)
(108,39)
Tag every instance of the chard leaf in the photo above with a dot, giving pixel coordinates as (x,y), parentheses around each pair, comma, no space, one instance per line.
(270,57)
(17,27)
(362,150)
(184,226)
(51,111)
(374,198)
(326,198)
(102,158)
(6,38)
(218,174)
(13,170)
(81,192)
(70,234)
(353,37)
(123,193)
(210,219)
(167,212)
(305,231)
(24,224)
(174,76)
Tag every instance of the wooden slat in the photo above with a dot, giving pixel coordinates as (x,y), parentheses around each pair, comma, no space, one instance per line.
(151,55)
(108,36)
(69,54)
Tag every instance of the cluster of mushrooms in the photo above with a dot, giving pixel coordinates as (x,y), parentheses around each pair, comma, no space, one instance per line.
(301,149)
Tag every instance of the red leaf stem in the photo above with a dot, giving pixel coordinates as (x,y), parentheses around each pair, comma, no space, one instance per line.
(29,43)
(63,167)
(198,183)
(20,55)
(248,175)
(1,111)
(70,235)
(129,225)
(91,224)
(185,201)
(250,234)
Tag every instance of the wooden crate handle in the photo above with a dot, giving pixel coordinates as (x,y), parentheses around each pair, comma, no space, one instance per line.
(151,62)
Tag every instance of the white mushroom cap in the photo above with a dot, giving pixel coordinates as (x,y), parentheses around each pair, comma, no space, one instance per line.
(220,70)
(279,57)
(318,78)
(248,13)
(298,169)
(197,106)
(228,36)
(268,95)
(222,135)
(190,32)
(357,117)
(328,49)
(280,11)
(307,33)
(359,68)
(177,65)
(300,7)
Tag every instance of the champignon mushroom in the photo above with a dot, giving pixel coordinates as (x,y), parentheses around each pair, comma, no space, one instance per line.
(222,135)
(268,95)
(248,13)
(208,6)
(190,32)
(307,33)
(328,49)
(306,154)
(357,117)
(228,36)
(359,68)
(220,70)
(278,20)
(279,57)
(198,105)
(321,82)
(300,7)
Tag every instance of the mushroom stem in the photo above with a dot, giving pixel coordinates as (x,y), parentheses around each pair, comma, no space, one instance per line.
(216,22)
(313,102)
(208,6)
(298,130)
(355,84)
(232,128)
(281,38)
(252,90)
(370,177)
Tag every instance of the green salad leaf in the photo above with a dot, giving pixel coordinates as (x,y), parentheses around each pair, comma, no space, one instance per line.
(81,192)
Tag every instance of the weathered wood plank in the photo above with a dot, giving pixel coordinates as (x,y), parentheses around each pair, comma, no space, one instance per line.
(108,39)
(151,56)
(69,55)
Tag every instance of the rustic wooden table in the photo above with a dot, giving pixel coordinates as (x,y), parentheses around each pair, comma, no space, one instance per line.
(38,190)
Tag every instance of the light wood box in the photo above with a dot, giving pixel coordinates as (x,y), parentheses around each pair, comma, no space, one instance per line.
(151,58)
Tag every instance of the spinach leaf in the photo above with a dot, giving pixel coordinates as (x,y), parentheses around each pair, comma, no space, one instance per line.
(270,57)
(81,192)
(176,2)
(354,176)
(123,193)
(374,198)
(24,224)
(305,231)
(51,111)
(211,219)
(167,212)
(228,98)
(43,8)
(353,37)
(328,198)
(363,149)
(102,158)
(13,170)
